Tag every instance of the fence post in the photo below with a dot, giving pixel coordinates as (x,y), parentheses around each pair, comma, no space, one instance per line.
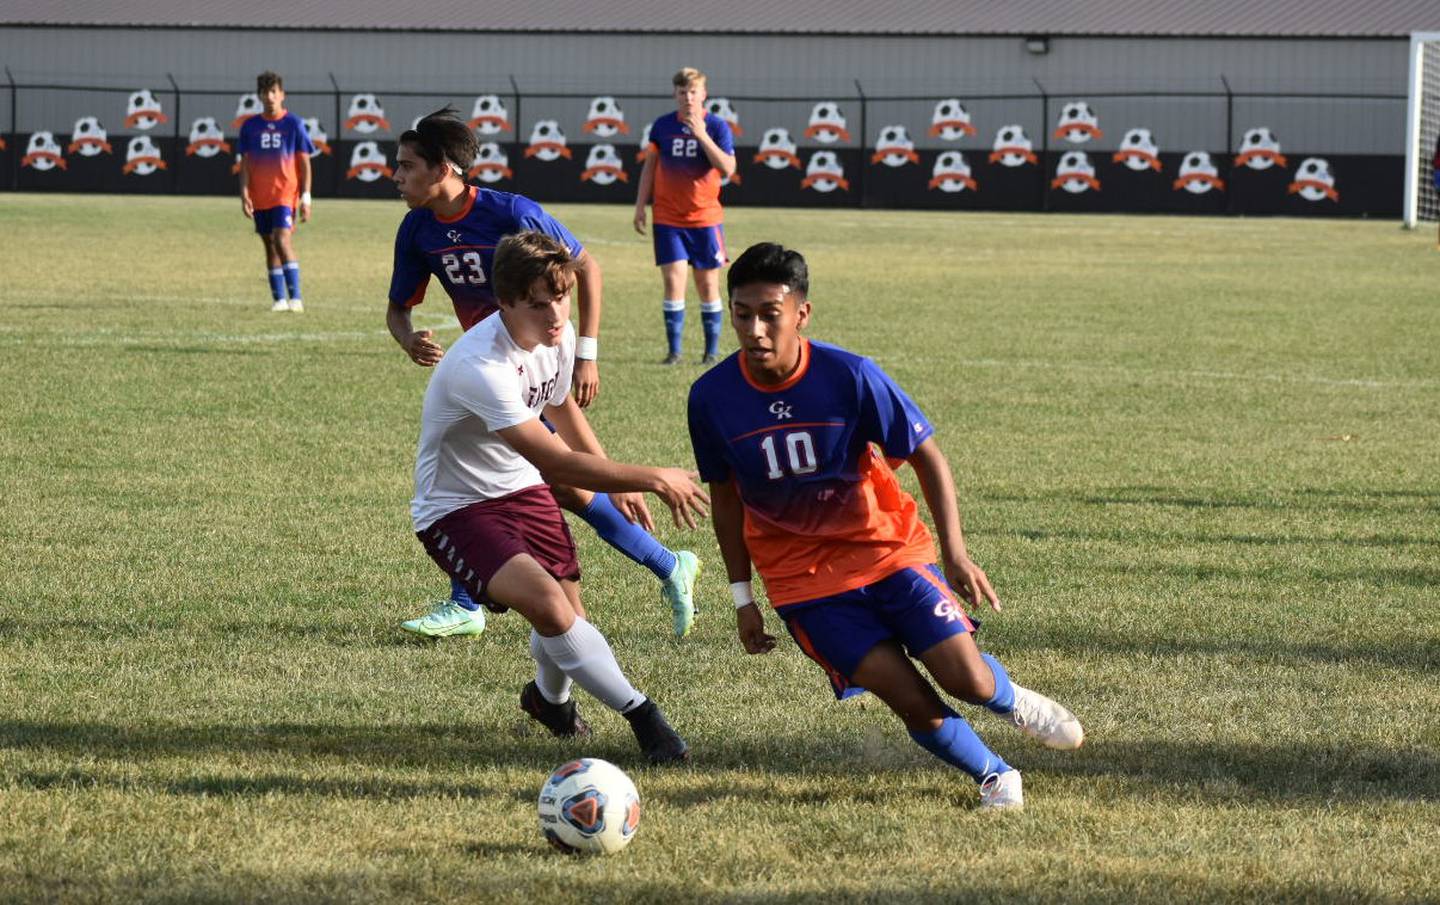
(339,134)
(860,174)
(14,131)
(515,126)
(1044,144)
(175,167)
(1229,140)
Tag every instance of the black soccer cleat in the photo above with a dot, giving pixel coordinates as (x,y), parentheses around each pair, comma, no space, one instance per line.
(672,358)
(658,741)
(563,720)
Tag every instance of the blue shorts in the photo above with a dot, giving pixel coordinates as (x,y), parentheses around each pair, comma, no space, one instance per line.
(273,218)
(913,606)
(702,246)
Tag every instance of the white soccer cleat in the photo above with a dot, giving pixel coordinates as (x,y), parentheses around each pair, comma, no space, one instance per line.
(1045,721)
(280,305)
(297,305)
(1002,790)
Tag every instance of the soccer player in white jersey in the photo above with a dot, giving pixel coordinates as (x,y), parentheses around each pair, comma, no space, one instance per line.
(482,508)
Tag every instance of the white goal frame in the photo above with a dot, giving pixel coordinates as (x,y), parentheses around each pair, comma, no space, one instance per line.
(1414,154)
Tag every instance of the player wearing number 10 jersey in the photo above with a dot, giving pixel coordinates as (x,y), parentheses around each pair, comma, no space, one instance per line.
(796,440)
(451,233)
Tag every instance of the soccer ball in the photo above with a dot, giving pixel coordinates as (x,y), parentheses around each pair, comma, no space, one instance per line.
(589,806)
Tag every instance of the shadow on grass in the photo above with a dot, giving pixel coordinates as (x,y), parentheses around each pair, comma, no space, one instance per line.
(514,879)
(825,766)
(1413,654)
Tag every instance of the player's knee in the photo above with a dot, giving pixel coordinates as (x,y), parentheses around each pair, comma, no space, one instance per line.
(552,614)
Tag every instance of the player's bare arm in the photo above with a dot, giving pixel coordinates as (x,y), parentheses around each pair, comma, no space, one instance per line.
(561,465)
(933,472)
(418,344)
(306,171)
(246,204)
(643,193)
(588,285)
(727,517)
(573,430)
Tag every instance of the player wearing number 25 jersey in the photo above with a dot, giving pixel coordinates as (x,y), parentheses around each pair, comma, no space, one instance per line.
(460,251)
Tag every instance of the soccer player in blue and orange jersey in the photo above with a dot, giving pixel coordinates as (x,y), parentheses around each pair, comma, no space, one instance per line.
(796,439)
(451,233)
(690,152)
(275,154)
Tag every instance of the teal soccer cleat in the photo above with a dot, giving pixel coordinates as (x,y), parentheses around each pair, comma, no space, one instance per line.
(679,591)
(448,619)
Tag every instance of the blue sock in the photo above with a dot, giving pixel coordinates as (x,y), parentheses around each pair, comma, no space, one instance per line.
(958,745)
(1003,700)
(712,318)
(292,278)
(627,537)
(461,596)
(277,283)
(674,324)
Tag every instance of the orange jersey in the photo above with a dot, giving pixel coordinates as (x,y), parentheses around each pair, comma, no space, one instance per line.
(268,149)
(824,512)
(687,186)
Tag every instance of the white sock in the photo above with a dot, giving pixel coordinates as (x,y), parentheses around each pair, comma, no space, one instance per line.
(672,305)
(585,656)
(554,685)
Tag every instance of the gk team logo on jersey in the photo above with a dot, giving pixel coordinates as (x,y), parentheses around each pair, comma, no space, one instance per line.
(781,410)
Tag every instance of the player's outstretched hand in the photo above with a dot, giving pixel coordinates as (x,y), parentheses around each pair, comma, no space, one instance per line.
(632,506)
(686,499)
(423,350)
(586,381)
(751,626)
(640,221)
(972,583)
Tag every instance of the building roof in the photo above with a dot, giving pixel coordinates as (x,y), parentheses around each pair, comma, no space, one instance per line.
(1170,18)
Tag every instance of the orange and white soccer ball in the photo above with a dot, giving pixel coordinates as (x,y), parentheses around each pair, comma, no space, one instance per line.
(589,806)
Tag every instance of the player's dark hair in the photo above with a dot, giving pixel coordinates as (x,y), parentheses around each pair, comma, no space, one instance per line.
(525,257)
(769,262)
(441,138)
(267,80)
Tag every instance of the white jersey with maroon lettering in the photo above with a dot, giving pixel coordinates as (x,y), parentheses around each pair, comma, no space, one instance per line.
(485,383)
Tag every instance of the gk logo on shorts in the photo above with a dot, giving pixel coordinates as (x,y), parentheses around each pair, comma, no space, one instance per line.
(946,610)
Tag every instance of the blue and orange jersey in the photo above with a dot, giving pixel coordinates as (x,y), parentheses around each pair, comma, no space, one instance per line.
(824,512)
(460,252)
(687,187)
(269,148)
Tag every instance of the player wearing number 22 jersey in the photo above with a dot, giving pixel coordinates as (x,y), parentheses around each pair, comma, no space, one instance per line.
(460,251)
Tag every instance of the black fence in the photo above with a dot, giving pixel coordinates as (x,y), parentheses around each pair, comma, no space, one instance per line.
(1207,151)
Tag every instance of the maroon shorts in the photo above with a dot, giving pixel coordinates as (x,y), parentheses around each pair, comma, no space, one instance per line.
(471,544)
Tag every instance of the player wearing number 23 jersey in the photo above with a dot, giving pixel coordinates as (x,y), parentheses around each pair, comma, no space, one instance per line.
(460,251)
(824,513)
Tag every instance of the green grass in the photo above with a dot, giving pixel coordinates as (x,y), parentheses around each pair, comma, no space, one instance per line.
(1200,458)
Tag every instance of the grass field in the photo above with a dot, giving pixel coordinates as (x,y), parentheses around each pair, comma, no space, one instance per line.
(1200,458)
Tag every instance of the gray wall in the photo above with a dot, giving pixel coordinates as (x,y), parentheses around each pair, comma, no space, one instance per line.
(636,68)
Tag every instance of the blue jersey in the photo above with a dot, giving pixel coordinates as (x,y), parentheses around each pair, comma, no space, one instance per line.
(687,185)
(269,148)
(461,252)
(824,513)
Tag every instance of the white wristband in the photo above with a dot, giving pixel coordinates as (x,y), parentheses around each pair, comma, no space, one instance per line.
(305,198)
(743,594)
(586,348)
